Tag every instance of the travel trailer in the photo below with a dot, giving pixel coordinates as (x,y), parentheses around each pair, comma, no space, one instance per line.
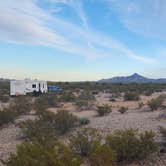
(23,87)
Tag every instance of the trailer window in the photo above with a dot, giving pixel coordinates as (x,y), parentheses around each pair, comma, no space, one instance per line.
(33,85)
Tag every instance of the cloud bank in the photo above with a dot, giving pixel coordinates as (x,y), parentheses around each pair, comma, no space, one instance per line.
(26,22)
(145,17)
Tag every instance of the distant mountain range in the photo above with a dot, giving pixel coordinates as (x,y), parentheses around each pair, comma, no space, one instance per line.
(4,80)
(135,78)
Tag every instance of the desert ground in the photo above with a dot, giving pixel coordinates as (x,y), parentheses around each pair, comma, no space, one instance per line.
(137,118)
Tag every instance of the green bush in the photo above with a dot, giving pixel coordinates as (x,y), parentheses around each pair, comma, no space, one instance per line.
(140,104)
(34,154)
(122,110)
(102,156)
(148,92)
(82,104)
(131,96)
(154,104)
(67,97)
(39,131)
(84,100)
(130,146)
(104,110)
(48,126)
(85,141)
(84,121)
(65,121)
(7,116)
(45,101)
(22,105)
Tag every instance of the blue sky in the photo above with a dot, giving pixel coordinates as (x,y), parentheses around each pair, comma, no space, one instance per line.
(76,40)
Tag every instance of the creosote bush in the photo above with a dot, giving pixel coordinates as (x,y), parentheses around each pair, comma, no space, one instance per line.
(140,105)
(87,144)
(102,155)
(129,145)
(7,115)
(104,110)
(45,101)
(83,101)
(41,131)
(85,141)
(67,97)
(131,96)
(154,104)
(35,154)
(22,105)
(48,126)
(65,121)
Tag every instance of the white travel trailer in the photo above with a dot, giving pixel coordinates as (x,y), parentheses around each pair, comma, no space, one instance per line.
(23,87)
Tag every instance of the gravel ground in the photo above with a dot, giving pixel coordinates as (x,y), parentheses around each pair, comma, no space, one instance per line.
(10,137)
(137,119)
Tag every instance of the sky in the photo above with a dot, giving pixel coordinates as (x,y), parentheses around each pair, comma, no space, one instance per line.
(82,40)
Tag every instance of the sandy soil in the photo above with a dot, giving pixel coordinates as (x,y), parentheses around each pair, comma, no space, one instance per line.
(9,140)
(10,137)
(134,118)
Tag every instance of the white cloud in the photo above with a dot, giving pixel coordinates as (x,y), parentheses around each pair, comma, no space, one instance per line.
(145,17)
(25,22)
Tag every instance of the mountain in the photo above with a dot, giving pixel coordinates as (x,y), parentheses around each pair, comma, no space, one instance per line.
(4,80)
(135,78)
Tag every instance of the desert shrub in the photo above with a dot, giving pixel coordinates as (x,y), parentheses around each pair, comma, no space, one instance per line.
(84,121)
(65,121)
(85,141)
(22,105)
(48,126)
(129,96)
(104,110)
(148,92)
(83,101)
(7,115)
(82,104)
(4,98)
(129,145)
(45,101)
(122,110)
(140,104)
(67,97)
(37,155)
(154,104)
(87,95)
(39,131)
(102,156)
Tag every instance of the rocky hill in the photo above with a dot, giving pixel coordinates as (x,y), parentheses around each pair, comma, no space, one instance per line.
(135,78)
